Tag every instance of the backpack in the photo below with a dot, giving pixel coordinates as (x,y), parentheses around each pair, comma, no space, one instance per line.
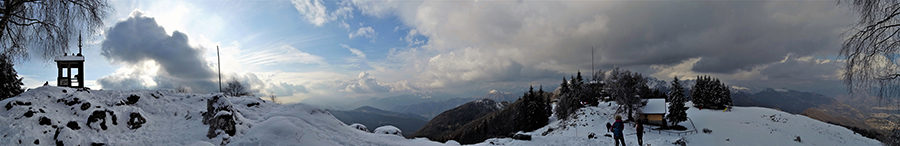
(618,127)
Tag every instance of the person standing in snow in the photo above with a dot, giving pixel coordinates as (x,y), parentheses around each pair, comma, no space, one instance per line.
(618,126)
(640,132)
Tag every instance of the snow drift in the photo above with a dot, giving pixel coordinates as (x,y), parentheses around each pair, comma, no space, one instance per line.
(53,115)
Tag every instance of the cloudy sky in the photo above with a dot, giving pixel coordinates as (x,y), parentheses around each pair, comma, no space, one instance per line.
(315,49)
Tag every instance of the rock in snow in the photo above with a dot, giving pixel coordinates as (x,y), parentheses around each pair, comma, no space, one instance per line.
(360,127)
(388,129)
(66,116)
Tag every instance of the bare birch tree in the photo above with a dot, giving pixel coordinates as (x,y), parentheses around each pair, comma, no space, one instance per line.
(46,27)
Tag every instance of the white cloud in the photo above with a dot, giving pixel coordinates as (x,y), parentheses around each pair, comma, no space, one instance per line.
(355,51)
(279,55)
(411,39)
(344,25)
(365,84)
(367,32)
(313,10)
(316,13)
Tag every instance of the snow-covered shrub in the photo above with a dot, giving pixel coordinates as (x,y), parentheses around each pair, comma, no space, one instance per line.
(388,129)
(219,116)
(359,127)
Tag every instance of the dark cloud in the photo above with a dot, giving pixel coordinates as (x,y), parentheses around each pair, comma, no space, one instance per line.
(802,70)
(804,74)
(488,42)
(120,83)
(139,39)
(730,36)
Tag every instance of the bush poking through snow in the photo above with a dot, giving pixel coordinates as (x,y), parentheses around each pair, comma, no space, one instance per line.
(97,116)
(85,106)
(10,104)
(136,121)
(521,136)
(797,139)
(681,142)
(73,125)
(547,132)
(130,100)
(44,121)
(359,127)
(388,129)
(706,130)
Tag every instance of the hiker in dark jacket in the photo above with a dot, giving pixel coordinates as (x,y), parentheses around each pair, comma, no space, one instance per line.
(640,132)
(617,131)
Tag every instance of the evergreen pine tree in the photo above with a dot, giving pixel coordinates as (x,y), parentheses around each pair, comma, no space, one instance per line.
(566,103)
(710,92)
(696,92)
(532,112)
(579,80)
(10,83)
(677,110)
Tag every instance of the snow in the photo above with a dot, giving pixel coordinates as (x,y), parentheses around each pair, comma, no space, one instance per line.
(655,106)
(176,119)
(222,113)
(360,127)
(750,126)
(388,129)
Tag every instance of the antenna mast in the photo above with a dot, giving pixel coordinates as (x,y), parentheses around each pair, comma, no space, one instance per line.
(79,45)
(593,74)
(220,68)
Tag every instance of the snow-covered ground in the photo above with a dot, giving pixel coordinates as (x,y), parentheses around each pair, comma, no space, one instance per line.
(748,126)
(50,115)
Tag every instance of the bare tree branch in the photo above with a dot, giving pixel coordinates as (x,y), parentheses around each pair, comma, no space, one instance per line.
(872,52)
(45,27)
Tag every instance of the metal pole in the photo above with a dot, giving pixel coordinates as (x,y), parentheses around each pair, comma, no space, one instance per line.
(592,63)
(220,68)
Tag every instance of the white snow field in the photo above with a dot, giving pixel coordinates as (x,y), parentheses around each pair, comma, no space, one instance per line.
(744,126)
(52,115)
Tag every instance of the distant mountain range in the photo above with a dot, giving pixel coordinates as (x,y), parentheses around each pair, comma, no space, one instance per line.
(410,112)
(373,118)
(791,101)
(446,123)
(431,109)
(864,114)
